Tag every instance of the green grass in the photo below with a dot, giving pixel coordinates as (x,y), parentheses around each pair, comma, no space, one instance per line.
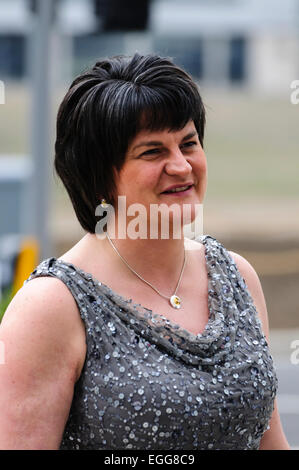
(4,302)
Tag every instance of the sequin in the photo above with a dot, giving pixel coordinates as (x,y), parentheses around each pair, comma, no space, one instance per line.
(149,384)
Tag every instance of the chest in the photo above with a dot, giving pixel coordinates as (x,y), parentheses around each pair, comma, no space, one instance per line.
(193,313)
(136,395)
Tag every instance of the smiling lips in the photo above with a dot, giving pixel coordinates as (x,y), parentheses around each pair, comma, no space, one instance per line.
(177,189)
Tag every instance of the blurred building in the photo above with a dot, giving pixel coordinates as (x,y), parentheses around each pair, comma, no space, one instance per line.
(250,43)
(254,43)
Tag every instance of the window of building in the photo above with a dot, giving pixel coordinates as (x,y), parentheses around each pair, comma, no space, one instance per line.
(237,59)
(12,56)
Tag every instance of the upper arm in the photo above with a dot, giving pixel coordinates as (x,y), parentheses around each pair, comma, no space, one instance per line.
(274,438)
(42,342)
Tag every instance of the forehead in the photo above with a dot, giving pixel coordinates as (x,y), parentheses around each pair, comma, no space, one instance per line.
(148,135)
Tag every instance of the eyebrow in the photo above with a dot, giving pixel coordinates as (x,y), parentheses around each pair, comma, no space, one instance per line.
(157,143)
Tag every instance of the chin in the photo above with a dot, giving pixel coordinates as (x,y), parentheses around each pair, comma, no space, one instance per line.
(178,223)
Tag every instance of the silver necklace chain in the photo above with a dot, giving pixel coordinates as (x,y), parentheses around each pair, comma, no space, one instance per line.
(178,301)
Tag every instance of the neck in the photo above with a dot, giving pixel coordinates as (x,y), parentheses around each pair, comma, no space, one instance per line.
(159,261)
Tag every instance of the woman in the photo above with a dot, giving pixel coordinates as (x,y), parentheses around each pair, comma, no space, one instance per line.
(127,342)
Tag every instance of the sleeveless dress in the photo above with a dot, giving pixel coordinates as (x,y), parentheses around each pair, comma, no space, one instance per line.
(149,384)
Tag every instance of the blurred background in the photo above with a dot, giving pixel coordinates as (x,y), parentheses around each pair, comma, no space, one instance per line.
(244,54)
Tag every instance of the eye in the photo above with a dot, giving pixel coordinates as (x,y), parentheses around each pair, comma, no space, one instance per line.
(151,152)
(189,144)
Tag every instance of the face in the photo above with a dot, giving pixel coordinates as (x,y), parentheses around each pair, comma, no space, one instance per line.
(159,163)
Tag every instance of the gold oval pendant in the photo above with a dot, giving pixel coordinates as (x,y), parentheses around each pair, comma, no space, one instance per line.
(175,301)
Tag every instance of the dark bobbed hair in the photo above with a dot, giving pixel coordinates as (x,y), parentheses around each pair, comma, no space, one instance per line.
(104,109)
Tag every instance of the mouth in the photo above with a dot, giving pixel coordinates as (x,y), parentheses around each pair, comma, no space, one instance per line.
(176,190)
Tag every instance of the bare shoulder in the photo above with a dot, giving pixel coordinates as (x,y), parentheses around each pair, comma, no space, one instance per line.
(253,283)
(42,289)
(42,297)
(245,268)
(43,346)
(44,311)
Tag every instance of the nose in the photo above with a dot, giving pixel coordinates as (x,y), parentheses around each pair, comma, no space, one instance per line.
(177,164)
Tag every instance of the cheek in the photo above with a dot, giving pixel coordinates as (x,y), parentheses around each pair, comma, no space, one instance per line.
(124,181)
(146,177)
(134,183)
(204,167)
(201,172)
(201,167)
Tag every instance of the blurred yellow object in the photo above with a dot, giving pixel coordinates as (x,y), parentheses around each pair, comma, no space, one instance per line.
(25,263)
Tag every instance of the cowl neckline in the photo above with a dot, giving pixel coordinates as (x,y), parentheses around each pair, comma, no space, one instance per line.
(217,338)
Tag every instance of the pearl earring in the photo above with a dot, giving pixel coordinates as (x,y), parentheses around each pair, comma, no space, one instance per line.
(104,204)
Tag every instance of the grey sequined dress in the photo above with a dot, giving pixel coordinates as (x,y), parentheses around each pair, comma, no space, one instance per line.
(149,384)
